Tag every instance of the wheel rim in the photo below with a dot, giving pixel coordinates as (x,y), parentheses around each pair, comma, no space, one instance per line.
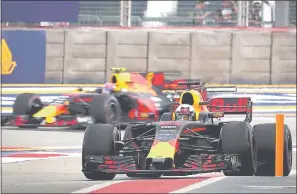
(36,105)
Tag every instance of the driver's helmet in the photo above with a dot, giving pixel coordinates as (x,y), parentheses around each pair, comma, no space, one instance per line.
(185,112)
(108,88)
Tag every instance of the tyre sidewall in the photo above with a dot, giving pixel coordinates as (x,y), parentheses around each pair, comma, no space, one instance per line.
(100,109)
(23,104)
(265,137)
(238,138)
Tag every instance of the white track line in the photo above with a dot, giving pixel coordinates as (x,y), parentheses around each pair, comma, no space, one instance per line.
(98,186)
(47,147)
(60,147)
(199,184)
(8,159)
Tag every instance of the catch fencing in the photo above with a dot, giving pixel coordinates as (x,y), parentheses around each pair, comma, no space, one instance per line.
(128,34)
(140,13)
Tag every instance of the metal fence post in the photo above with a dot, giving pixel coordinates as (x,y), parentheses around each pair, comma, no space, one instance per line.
(125,13)
(240,14)
(128,12)
(122,8)
(247,13)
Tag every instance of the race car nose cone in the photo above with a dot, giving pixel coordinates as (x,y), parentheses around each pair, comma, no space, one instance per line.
(162,163)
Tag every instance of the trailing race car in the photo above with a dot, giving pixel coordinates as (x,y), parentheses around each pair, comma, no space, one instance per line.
(121,100)
(190,139)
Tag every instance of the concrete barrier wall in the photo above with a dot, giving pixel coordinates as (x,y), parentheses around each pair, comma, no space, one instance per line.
(251,57)
(236,57)
(283,59)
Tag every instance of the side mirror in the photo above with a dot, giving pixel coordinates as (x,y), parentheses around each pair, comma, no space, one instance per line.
(147,115)
(215,115)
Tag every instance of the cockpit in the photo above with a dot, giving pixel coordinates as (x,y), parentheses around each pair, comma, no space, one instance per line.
(187,98)
(130,81)
(185,112)
(60,100)
(193,98)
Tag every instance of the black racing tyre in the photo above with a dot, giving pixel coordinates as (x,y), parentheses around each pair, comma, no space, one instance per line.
(265,138)
(26,104)
(133,144)
(77,127)
(167,116)
(99,139)
(4,120)
(77,108)
(238,138)
(105,109)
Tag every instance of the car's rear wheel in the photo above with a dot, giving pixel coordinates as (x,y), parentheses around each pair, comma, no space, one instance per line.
(105,109)
(4,120)
(99,139)
(265,138)
(238,138)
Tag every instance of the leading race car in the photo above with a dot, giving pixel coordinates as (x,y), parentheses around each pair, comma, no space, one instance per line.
(121,100)
(189,140)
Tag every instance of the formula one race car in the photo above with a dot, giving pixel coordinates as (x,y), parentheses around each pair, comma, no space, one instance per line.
(121,100)
(188,140)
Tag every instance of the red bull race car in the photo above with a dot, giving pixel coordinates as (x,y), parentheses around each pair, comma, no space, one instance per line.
(190,139)
(121,100)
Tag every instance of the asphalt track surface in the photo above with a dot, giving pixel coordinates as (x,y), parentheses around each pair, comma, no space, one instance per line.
(63,174)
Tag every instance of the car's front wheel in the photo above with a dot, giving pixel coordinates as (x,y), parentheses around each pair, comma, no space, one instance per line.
(99,140)
(238,138)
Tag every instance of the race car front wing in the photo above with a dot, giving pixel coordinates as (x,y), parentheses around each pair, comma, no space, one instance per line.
(62,121)
(194,164)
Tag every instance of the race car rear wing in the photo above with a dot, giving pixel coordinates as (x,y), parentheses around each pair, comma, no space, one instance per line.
(213,89)
(243,105)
